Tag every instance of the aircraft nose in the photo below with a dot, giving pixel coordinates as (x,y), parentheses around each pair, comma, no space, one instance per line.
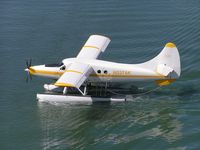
(30,69)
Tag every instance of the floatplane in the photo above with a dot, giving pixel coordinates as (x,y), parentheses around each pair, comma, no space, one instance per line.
(86,70)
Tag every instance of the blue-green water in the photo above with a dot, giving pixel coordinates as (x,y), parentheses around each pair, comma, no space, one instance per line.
(48,31)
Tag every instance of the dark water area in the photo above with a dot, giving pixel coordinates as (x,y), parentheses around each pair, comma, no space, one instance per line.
(48,31)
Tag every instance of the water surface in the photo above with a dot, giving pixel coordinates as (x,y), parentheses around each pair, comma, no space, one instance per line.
(48,31)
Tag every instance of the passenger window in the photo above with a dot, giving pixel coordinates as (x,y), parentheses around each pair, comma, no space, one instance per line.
(105,71)
(62,68)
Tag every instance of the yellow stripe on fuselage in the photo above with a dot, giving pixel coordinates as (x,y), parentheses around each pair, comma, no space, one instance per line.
(43,72)
(74,71)
(164,81)
(33,71)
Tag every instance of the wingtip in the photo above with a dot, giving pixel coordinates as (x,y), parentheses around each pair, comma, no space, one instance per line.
(100,36)
(170,45)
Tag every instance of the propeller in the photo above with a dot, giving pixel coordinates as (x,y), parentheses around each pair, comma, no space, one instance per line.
(28,65)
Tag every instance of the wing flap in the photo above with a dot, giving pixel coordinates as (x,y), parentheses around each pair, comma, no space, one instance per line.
(75,75)
(94,46)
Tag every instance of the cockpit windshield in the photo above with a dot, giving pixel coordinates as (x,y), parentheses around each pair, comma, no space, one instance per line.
(54,65)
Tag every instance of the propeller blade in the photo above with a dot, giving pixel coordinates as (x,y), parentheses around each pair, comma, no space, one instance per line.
(30,62)
(26,78)
(28,65)
(30,77)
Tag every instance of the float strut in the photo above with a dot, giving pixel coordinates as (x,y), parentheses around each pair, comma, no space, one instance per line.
(84,92)
(65,91)
(106,88)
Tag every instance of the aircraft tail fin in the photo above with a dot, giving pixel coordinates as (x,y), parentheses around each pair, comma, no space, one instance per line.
(166,63)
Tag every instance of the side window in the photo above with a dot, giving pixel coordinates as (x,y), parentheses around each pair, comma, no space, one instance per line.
(62,68)
(105,71)
(98,71)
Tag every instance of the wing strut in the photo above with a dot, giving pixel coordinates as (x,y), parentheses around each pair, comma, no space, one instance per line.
(84,92)
(74,77)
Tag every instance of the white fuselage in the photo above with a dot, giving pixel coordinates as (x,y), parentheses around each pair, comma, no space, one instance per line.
(103,71)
